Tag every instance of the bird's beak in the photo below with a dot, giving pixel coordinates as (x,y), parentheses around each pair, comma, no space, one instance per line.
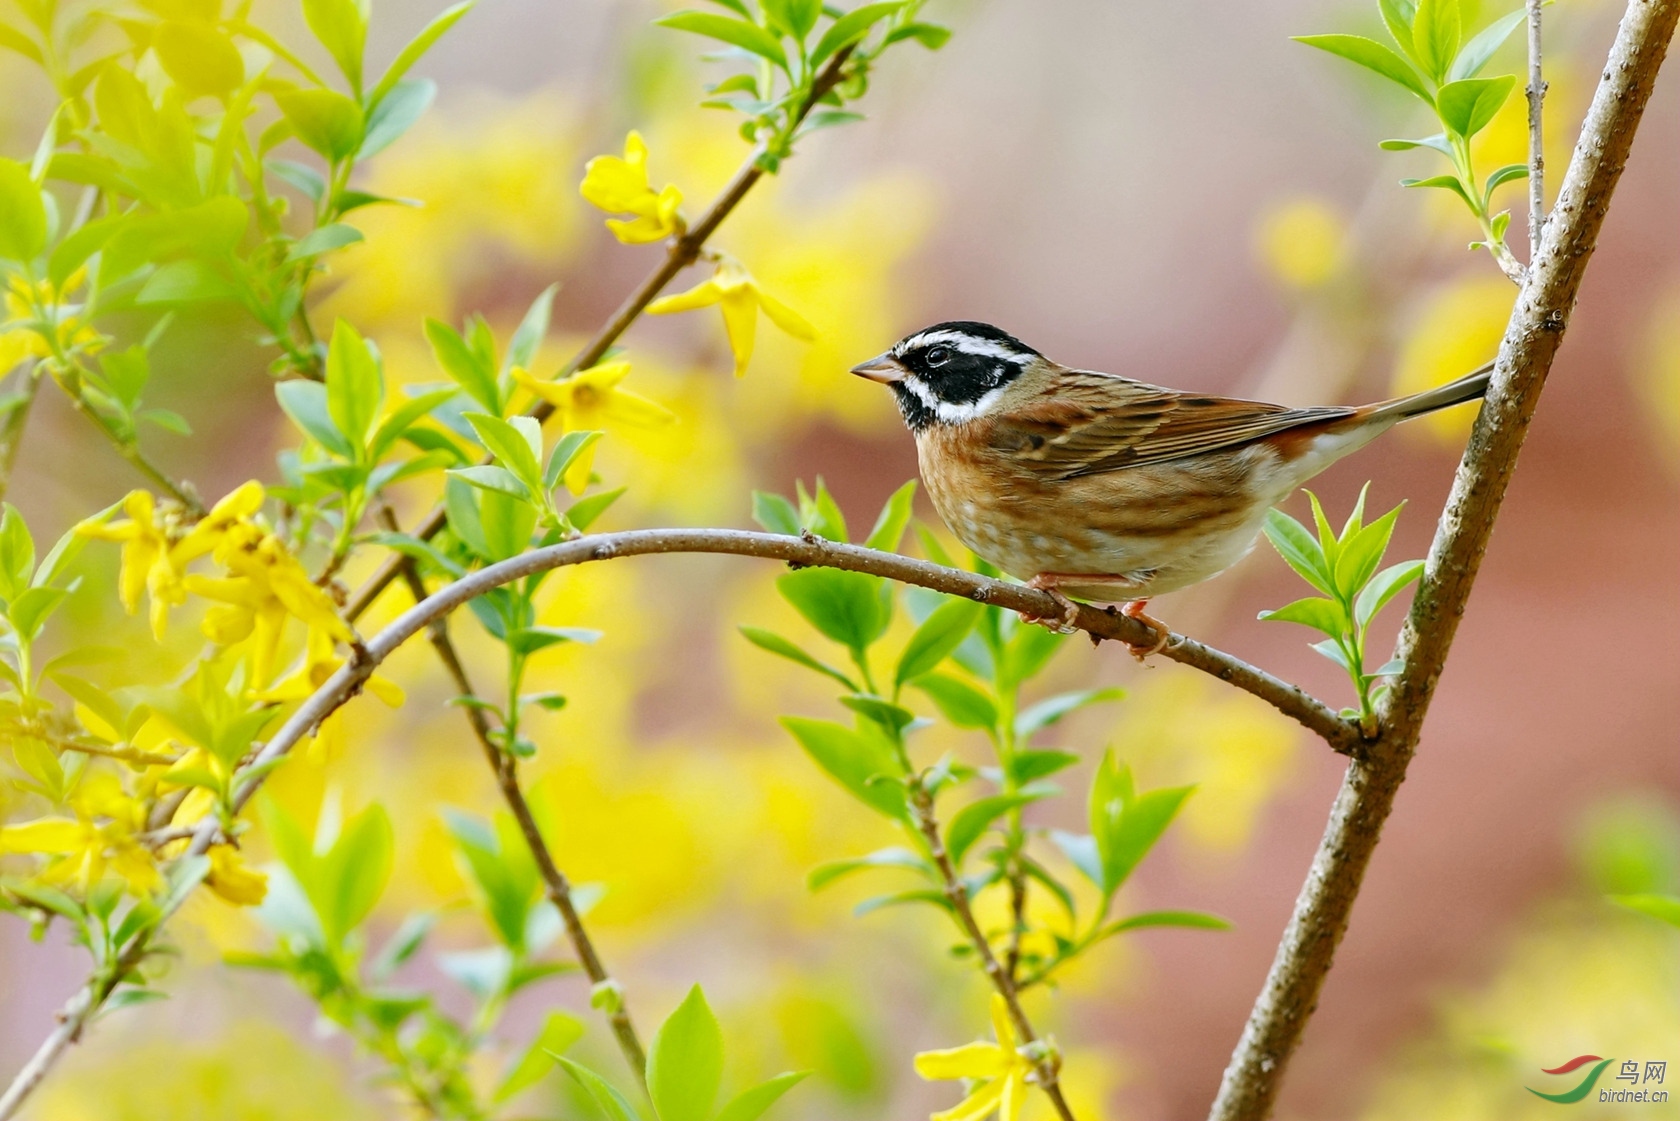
(883,368)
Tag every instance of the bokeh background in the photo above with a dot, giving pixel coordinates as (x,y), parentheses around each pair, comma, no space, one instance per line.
(1175,192)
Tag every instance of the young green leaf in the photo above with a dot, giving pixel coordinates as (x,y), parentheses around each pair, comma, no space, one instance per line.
(854,760)
(751,1103)
(1298,549)
(1466,106)
(1383,587)
(417,47)
(23,216)
(467,368)
(848,607)
(511,444)
(1436,32)
(894,519)
(1444,182)
(1047,712)
(352,875)
(1196,920)
(685,1061)
(1324,615)
(936,638)
(612,1103)
(325,120)
(559,1031)
(1359,555)
(959,702)
(395,114)
(1373,56)
(775,513)
(737,32)
(355,388)
(1036,763)
(522,348)
(1480,49)
(776,644)
(488,476)
(971,822)
(341,27)
(851,27)
(824,874)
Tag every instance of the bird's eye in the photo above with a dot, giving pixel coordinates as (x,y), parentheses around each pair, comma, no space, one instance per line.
(938,356)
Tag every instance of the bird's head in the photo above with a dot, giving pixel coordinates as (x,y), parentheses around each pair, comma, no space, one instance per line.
(949,373)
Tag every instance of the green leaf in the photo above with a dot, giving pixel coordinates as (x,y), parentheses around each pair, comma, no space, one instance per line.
(502,868)
(72,252)
(685,1061)
(1373,56)
(402,418)
(737,32)
(325,120)
(1468,105)
(929,35)
(417,47)
(960,703)
(559,1031)
(490,477)
(584,512)
(824,874)
(849,28)
(751,1103)
(1438,143)
(1498,179)
(612,1103)
(355,386)
(792,17)
(528,336)
(306,403)
(185,282)
(1199,920)
(1436,33)
(306,179)
(1332,649)
(1398,16)
(893,520)
(341,26)
(1125,824)
(776,644)
(29,611)
(353,873)
(1480,49)
(970,823)
(528,640)
(17,553)
(892,717)
(1358,557)
(848,607)
(395,114)
(1325,615)
(853,759)
(1444,182)
(934,896)
(1663,908)
(934,640)
(1036,763)
(1047,712)
(1027,652)
(507,523)
(775,513)
(821,515)
(468,369)
(1298,549)
(511,443)
(1081,851)
(1383,587)
(566,451)
(23,216)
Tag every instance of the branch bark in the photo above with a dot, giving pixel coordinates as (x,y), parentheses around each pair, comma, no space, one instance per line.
(1536,150)
(1304,956)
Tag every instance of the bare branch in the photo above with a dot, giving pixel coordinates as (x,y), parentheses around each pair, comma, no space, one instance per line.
(921,809)
(1536,151)
(1250,1086)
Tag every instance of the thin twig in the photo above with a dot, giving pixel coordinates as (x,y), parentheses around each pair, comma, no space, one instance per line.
(181,492)
(681,252)
(505,768)
(1536,151)
(1304,956)
(921,809)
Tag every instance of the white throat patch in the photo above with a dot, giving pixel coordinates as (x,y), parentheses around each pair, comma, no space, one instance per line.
(948,411)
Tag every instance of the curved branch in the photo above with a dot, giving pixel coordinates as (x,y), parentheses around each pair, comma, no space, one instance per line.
(1249,1088)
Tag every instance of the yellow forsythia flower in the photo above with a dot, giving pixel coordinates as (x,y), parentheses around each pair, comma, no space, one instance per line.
(41,305)
(999,1068)
(735,291)
(321,661)
(620,186)
(232,879)
(590,399)
(151,562)
(102,838)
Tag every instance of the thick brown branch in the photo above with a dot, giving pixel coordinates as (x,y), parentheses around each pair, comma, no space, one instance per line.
(680,253)
(1250,1086)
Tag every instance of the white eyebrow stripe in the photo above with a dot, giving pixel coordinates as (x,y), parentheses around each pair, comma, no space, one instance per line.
(968,344)
(949,411)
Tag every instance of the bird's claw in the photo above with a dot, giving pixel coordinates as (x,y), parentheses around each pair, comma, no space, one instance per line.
(1162,635)
(1065,623)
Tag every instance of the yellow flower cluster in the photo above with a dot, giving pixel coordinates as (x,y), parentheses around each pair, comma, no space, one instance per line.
(32,306)
(620,186)
(103,837)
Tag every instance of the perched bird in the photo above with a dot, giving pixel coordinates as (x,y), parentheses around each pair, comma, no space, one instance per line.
(1097,486)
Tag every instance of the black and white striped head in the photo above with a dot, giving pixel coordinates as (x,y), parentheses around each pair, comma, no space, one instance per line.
(949,373)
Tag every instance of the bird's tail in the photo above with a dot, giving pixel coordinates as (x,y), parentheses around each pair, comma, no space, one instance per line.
(1467,388)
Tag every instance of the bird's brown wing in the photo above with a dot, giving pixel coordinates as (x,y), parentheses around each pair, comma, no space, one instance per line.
(1091,423)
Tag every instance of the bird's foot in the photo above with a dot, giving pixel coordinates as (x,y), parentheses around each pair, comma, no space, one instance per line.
(1134,610)
(1062,624)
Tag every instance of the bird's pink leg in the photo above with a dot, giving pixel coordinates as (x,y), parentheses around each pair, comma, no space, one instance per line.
(1134,610)
(1050,582)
